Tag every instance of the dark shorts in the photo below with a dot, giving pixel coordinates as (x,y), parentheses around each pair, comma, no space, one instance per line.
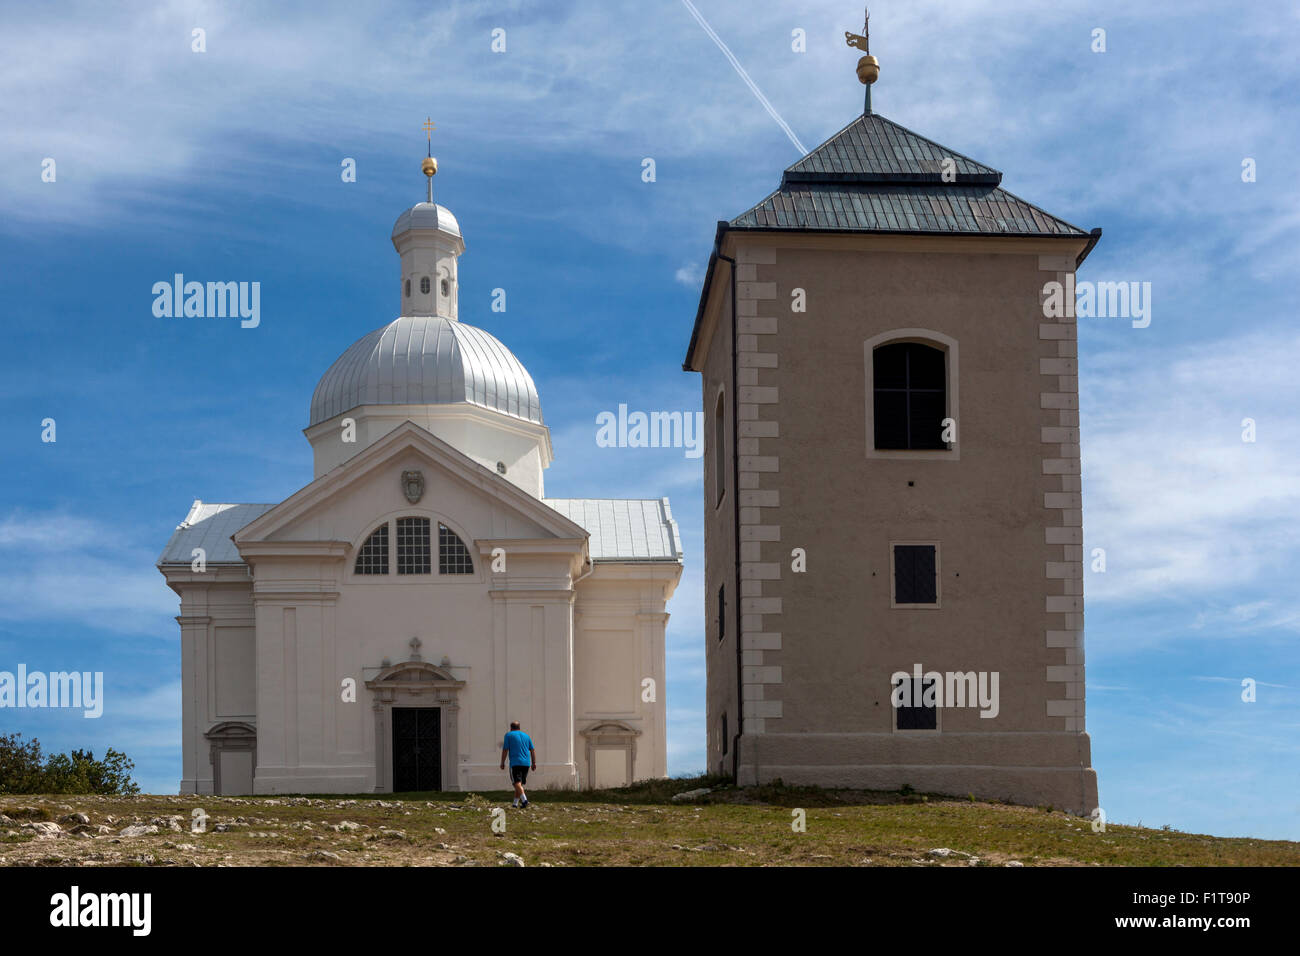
(518,774)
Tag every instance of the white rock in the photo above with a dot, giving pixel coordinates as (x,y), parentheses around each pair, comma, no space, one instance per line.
(690,795)
(511,859)
(137,829)
(42,829)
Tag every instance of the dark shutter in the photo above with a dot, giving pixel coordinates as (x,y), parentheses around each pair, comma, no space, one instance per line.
(918,716)
(914,579)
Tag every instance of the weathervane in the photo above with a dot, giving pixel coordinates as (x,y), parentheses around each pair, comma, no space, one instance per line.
(430,165)
(868,65)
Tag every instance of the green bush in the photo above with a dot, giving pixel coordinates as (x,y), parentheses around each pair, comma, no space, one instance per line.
(23,769)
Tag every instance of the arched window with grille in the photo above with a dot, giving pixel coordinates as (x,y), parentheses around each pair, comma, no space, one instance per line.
(413,551)
(372,557)
(910,396)
(453,556)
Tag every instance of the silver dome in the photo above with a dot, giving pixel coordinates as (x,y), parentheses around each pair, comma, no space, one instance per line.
(427,360)
(425,215)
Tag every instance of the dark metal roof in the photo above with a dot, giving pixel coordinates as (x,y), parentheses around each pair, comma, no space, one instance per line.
(874,149)
(877,176)
(882,207)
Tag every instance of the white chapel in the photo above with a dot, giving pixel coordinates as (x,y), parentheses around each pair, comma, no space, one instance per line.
(379,629)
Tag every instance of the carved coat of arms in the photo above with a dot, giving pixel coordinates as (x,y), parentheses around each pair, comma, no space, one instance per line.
(413,485)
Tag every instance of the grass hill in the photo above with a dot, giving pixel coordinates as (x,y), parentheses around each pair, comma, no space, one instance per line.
(640,825)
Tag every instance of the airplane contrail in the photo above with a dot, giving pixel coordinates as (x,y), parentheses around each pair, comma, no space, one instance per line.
(745,76)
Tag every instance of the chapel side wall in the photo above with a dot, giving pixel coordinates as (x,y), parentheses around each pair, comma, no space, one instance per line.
(1006,514)
(619,639)
(215,604)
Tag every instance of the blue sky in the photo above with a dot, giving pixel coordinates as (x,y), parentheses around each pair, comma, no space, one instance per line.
(225,165)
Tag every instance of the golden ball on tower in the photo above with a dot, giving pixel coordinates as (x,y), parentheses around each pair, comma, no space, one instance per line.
(430,165)
(868,69)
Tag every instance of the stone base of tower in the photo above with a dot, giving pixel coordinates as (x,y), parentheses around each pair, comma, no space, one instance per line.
(1032,769)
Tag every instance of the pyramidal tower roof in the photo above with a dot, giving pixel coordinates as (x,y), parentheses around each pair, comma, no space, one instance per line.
(874,149)
(877,176)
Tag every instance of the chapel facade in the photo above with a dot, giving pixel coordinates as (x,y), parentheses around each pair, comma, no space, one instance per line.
(379,629)
(892,501)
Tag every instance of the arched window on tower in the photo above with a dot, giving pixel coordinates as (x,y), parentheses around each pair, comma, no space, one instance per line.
(453,556)
(909,380)
(424,285)
(719,453)
(446,288)
(372,557)
(408,288)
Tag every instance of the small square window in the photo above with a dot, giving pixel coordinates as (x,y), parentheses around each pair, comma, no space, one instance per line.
(913,714)
(916,579)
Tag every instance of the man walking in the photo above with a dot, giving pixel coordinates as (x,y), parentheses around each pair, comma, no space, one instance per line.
(518,746)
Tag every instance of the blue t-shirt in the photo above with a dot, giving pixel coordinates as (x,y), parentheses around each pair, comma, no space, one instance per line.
(518,744)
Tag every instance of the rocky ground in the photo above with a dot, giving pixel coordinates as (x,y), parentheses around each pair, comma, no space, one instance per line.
(652,824)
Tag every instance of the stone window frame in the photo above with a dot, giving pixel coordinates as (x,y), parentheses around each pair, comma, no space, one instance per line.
(938,576)
(935,339)
(609,735)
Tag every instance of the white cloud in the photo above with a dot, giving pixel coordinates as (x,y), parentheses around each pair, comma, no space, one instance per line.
(59,567)
(1182,506)
(690,275)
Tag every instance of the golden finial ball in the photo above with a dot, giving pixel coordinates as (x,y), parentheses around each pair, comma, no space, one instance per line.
(429,166)
(868,69)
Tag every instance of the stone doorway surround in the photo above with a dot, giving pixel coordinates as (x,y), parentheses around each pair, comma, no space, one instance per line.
(415,683)
(609,735)
(230,735)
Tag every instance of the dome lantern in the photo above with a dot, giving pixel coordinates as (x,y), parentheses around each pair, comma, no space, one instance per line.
(428,240)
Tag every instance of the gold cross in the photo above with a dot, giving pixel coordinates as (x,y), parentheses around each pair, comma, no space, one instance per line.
(429,127)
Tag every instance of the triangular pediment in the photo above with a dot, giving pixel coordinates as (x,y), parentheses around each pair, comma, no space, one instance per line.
(370,484)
